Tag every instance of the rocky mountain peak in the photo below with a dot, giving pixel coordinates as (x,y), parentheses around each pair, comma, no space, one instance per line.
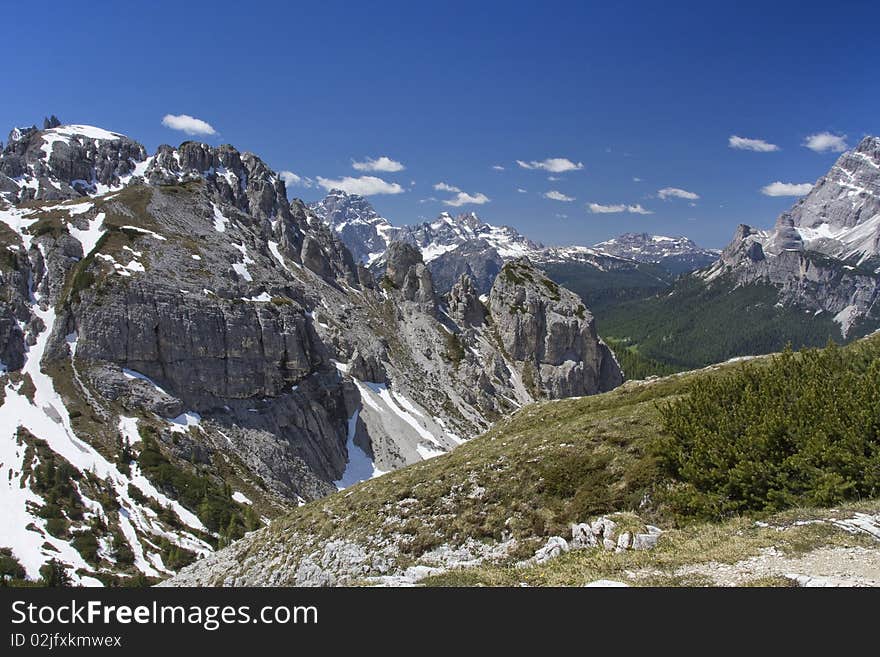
(676,253)
(66,161)
(239,179)
(821,253)
(549,332)
(351,216)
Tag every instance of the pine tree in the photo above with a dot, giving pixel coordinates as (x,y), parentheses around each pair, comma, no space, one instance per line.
(54,574)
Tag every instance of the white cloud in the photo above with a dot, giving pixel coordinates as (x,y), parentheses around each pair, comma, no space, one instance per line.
(561,216)
(188,124)
(463,198)
(430,199)
(635,179)
(746,144)
(382,163)
(446,187)
(823,142)
(553,178)
(293,180)
(597,208)
(553,195)
(521,190)
(786,189)
(666,192)
(364,186)
(498,167)
(552,164)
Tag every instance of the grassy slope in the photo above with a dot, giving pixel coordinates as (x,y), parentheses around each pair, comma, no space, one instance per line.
(550,464)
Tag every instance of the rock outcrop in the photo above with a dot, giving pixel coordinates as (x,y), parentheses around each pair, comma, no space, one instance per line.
(63,162)
(550,334)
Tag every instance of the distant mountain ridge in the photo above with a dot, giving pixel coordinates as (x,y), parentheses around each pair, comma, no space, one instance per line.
(452,245)
(676,254)
(824,253)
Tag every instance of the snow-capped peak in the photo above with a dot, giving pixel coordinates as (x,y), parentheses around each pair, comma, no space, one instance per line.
(363,230)
(66,161)
(643,247)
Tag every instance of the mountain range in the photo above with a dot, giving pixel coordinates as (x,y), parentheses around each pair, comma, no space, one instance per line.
(464,244)
(186,353)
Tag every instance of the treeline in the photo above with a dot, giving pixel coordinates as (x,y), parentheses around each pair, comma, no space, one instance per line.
(634,365)
(803,429)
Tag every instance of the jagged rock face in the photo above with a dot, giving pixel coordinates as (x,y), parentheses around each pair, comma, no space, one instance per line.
(408,273)
(208,351)
(14,307)
(822,254)
(464,303)
(244,182)
(547,329)
(358,225)
(464,244)
(62,162)
(450,245)
(848,196)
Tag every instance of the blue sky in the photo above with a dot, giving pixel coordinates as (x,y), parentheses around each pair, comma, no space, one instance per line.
(652,91)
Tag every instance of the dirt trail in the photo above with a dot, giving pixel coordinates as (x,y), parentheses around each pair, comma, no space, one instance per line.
(822,567)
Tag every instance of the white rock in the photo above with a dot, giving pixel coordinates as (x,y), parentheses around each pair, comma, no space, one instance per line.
(582,536)
(555,546)
(604,527)
(645,541)
(623,541)
(608,544)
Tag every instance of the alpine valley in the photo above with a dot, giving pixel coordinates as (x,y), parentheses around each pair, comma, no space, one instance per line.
(193,365)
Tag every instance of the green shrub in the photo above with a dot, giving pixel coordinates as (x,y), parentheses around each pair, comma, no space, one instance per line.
(10,568)
(801,430)
(54,574)
(211,501)
(122,551)
(87,545)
